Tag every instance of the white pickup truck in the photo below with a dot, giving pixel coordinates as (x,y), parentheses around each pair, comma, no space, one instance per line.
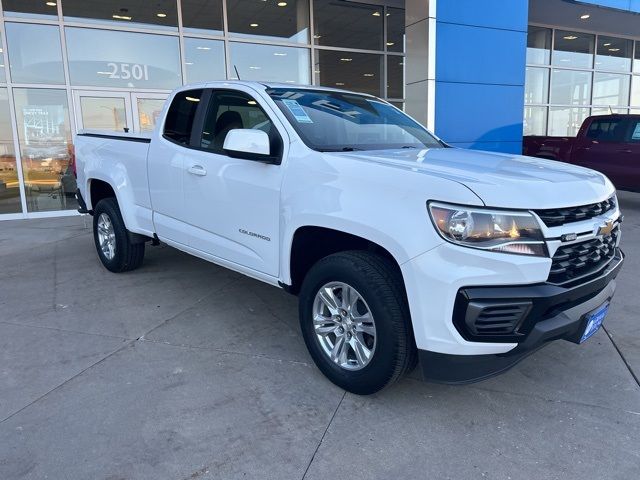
(399,247)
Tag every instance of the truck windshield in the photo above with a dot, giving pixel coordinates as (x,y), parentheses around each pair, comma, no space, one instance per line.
(342,122)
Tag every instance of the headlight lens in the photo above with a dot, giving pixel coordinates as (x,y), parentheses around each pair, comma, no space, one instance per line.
(487,229)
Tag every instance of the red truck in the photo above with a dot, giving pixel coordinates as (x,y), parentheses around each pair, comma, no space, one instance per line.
(607,143)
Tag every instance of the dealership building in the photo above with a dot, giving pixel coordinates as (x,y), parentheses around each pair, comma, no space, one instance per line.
(479,73)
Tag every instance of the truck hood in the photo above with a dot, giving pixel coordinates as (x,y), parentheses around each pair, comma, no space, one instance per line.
(500,180)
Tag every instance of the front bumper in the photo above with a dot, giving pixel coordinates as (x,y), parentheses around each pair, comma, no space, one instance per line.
(556,313)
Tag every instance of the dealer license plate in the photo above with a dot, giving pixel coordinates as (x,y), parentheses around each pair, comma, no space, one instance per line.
(594,321)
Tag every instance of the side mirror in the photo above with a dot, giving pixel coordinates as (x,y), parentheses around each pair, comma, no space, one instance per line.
(248,143)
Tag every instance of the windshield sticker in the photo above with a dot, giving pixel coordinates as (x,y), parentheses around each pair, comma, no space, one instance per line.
(297,111)
(636,132)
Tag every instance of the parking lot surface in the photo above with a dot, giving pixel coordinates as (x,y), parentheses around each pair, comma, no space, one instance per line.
(185,370)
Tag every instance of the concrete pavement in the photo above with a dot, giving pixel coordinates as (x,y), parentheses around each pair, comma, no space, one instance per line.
(184,370)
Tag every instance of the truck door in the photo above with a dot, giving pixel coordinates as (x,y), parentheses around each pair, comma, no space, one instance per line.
(625,167)
(597,145)
(232,205)
(169,152)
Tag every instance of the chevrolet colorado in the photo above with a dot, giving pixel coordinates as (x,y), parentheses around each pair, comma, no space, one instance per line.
(398,246)
(607,143)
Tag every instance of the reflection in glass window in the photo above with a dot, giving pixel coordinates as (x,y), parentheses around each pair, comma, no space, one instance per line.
(204,60)
(636,59)
(30,9)
(536,85)
(535,120)
(566,121)
(635,91)
(270,63)
(395,76)
(538,45)
(34,52)
(133,13)
(347,24)
(149,111)
(9,188)
(573,49)
(103,113)
(47,156)
(360,72)
(122,59)
(570,87)
(286,20)
(398,105)
(610,89)
(614,54)
(395,29)
(181,115)
(202,16)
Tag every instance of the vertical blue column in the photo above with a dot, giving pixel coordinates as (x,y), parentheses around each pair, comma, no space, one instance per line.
(480,72)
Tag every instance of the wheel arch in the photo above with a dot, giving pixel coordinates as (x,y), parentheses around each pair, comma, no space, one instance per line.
(310,243)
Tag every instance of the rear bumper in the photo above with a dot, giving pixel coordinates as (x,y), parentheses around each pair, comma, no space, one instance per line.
(554,313)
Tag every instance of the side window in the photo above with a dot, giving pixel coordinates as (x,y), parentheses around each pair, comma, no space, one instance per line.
(228,111)
(606,130)
(180,116)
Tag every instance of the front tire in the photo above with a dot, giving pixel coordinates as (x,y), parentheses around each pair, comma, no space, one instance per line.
(111,238)
(355,321)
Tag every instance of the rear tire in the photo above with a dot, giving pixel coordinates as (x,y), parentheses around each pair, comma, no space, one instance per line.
(387,336)
(111,238)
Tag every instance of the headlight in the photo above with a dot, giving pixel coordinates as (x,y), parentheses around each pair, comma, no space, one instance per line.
(488,229)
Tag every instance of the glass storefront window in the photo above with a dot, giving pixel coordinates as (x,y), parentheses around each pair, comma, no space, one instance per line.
(44,132)
(636,59)
(204,60)
(30,9)
(614,54)
(569,87)
(9,187)
(34,52)
(395,76)
(133,13)
(3,73)
(270,63)
(566,121)
(348,24)
(573,49)
(611,89)
(202,16)
(536,85)
(273,20)
(395,29)
(360,72)
(149,110)
(608,111)
(104,113)
(535,121)
(109,58)
(538,46)
(635,91)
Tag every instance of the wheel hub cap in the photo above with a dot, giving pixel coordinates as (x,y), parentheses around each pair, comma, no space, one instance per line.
(344,326)
(106,236)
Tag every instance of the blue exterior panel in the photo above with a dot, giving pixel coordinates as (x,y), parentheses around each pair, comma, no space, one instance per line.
(480,70)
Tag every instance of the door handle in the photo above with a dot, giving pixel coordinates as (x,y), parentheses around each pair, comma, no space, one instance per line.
(197,170)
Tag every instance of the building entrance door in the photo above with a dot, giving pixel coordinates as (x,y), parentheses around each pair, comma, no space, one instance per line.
(117,111)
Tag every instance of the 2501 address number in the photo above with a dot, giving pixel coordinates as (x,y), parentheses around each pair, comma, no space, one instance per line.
(127,71)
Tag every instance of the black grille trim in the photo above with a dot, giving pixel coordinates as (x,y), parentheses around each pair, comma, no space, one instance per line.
(554,217)
(580,260)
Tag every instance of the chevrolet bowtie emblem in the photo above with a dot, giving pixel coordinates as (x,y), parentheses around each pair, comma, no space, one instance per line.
(606,228)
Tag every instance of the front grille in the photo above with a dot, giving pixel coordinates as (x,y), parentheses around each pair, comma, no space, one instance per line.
(559,216)
(582,259)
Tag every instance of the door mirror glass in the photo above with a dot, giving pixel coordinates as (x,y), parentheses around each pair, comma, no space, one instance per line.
(247,143)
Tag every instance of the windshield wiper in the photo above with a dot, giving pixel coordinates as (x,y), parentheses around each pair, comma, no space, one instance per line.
(342,149)
(408,146)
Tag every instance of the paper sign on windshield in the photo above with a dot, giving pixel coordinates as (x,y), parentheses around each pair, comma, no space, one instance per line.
(297,111)
(636,132)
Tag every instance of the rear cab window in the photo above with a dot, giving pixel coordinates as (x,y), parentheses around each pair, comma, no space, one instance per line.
(607,129)
(178,126)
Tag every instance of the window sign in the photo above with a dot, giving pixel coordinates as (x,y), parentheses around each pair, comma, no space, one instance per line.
(123,59)
(636,132)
